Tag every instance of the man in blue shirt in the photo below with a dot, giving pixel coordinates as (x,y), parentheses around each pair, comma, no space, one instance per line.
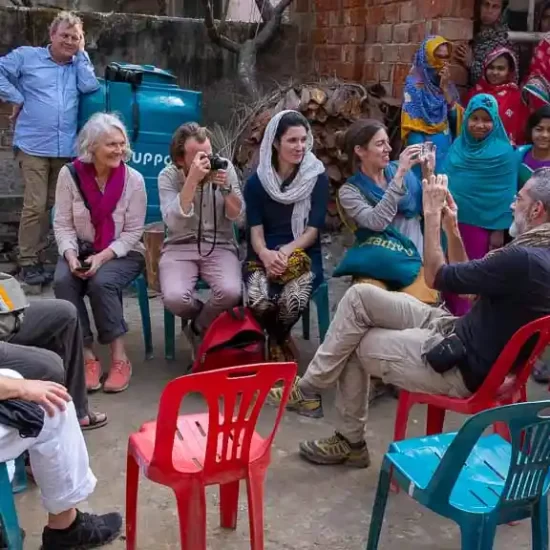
(44,85)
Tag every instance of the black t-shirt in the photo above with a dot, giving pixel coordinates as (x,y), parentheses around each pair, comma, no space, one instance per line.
(513,286)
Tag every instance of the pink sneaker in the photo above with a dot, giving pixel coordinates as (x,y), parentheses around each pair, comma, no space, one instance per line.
(92,372)
(119,377)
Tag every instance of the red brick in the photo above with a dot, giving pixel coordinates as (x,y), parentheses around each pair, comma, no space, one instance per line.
(374,15)
(406,52)
(370,73)
(339,36)
(327,53)
(384,34)
(354,17)
(353,4)
(370,34)
(373,53)
(390,53)
(356,34)
(400,72)
(401,33)
(301,6)
(322,19)
(431,9)
(335,18)
(385,70)
(391,14)
(321,36)
(418,32)
(348,71)
(407,11)
(325,5)
(350,53)
(456,29)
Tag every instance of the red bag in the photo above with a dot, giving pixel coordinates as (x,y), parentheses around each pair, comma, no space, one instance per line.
(234,338)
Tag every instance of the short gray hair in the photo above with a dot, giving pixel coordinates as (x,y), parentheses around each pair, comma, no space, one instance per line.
(539,190)
(93,131)
(67,17)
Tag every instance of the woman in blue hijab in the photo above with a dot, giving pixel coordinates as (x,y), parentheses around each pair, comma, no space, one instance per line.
(482,173)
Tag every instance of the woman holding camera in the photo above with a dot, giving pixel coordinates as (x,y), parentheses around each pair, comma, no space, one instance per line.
(100,206)
(286,204)
(200,201)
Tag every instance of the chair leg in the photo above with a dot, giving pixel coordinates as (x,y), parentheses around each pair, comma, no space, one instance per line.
(255,491)
(501,428)
(323,310)
(539,525)
(402,416)
(143,300)
(379,508)
(191,501)
(132,485)
(306,323)
(19,483)
(169,336)
(435,419)
(478,535)
(12,532)
(229,504)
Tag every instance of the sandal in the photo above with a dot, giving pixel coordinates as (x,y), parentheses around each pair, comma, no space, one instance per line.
(94,421)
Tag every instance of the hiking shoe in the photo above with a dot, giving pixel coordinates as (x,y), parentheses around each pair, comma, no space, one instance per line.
(87,531)
(336,450)
(119,377)
(92,372)
(305,405)
(33,275)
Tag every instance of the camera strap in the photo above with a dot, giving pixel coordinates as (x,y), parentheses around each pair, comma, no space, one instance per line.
(199,231)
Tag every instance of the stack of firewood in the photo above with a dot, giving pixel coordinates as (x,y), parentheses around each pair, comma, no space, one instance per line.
(330,108)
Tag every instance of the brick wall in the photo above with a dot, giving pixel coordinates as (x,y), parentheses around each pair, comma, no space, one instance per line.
(374,41)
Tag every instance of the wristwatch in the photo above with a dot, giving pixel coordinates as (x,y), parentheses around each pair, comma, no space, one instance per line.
(225,190)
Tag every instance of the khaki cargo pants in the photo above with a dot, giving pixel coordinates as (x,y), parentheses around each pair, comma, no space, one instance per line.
(383,334)
(40,179)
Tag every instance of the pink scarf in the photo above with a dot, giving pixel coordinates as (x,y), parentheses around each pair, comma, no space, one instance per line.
(101,205)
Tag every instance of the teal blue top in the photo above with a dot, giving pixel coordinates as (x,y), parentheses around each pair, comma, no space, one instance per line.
(483,174)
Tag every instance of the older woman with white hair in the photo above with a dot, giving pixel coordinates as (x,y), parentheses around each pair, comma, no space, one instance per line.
(100,208)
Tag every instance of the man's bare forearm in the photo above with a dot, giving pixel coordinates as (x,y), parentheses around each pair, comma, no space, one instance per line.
(434,258)
(455,247)
(10,388)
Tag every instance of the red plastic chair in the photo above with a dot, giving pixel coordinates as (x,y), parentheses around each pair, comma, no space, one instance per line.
(499,388)
(219,447)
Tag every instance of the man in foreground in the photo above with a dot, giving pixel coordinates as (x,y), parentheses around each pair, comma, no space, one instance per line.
(59,461)
(424,349)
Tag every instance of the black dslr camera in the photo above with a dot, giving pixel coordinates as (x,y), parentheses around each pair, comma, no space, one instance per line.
(114,73)
(217,163)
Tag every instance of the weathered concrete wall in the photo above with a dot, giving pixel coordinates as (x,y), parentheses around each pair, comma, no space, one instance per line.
(180,45)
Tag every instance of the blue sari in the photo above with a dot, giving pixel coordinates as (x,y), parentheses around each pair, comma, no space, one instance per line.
(483,174)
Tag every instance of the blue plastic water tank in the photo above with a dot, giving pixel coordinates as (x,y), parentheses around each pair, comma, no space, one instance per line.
(152,106)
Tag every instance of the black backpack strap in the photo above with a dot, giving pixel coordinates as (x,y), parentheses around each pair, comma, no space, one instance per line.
(72,169)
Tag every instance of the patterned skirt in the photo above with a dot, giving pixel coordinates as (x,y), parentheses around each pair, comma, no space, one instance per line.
(279,303)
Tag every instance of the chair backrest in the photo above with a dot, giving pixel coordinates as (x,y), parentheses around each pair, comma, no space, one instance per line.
(535,334)
(529,425)
(235,397)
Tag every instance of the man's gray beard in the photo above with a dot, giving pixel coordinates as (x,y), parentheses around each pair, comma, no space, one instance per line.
(514,230)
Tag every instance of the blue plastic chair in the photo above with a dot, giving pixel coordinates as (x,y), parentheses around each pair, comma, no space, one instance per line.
(478,481)
(8,512)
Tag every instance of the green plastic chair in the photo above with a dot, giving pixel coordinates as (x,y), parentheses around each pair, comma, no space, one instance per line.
(479,481)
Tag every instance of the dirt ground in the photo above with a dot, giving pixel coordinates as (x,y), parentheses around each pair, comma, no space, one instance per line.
(306,507)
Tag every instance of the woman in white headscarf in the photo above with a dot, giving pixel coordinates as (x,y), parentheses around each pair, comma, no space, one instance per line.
(286,203)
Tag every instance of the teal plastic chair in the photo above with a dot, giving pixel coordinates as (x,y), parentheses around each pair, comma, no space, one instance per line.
(8,512)
(479,481)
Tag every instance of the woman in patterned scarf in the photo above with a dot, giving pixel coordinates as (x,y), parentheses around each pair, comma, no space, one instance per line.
(430,111)
(493,33)
(536,91)
(286,204)
(500,79)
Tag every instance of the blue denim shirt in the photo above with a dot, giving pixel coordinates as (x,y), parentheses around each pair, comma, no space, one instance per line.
(49,92)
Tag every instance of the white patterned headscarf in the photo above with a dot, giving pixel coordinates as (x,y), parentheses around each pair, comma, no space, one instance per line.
(300,189)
